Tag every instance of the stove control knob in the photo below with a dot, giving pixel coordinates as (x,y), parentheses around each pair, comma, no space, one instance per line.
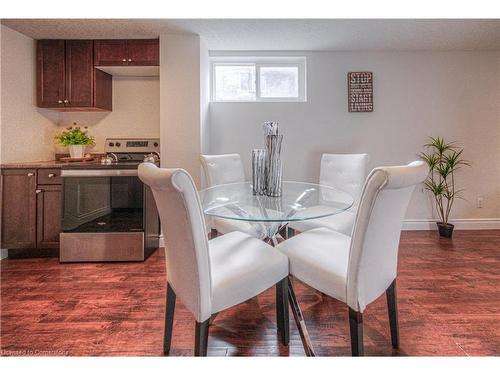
(155,144)
(118,144)
(111,144)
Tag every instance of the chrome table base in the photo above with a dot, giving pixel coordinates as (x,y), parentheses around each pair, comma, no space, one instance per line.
(299,320)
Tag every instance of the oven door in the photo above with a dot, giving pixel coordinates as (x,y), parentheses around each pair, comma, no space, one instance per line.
(107,215)
(96,201)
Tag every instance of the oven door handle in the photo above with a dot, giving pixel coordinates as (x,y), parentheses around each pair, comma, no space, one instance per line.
(98,172)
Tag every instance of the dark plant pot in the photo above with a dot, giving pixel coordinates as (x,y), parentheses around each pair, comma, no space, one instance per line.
(445,230)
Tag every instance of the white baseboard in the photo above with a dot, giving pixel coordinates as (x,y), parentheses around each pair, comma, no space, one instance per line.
(460,224)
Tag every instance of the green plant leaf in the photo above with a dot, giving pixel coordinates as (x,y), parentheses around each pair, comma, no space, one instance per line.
(439,145)
(430,159)
(74,135)
(443,159)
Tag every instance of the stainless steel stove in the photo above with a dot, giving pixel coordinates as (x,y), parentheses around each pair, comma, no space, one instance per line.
(108,214)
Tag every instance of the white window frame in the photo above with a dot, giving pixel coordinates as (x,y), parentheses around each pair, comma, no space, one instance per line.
(258,62)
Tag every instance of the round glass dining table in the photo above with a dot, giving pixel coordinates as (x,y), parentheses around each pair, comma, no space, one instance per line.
(269,215)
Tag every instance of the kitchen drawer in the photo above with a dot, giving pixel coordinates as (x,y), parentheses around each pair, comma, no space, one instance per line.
(49,177)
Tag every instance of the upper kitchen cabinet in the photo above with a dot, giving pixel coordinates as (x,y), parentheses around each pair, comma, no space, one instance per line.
(67,79)
(79,73)
(143,52)
(132,52)
(50,73)
(110,52)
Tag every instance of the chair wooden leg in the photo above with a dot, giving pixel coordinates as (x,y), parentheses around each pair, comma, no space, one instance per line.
(356,326)
(279,307)
(169,319)
(201,338)
(392,306)
(213,233)
(282,313)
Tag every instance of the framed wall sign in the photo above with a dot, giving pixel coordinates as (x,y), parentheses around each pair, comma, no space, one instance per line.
(360,86)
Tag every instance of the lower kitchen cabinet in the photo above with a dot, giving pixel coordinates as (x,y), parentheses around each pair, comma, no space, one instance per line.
(48,210)
(31,213)
(18,208)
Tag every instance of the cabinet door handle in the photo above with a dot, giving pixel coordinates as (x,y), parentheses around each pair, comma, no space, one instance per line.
(129,60)
(124,60)
(31,174)
(66,101)
(38,191)
(52,175)
(60,101)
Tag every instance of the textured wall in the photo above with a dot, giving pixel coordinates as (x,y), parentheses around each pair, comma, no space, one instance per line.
(27,131)
(180,111)
(416,94)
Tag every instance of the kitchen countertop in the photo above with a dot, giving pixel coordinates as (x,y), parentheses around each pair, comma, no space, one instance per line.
(55,163)
(40,164)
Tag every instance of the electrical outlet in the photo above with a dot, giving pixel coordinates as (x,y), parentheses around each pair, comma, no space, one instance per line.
(479,202)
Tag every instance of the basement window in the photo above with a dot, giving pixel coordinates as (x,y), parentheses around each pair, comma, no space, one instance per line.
(264,79)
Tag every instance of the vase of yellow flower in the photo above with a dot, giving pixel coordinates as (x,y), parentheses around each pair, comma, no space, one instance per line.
(76,139)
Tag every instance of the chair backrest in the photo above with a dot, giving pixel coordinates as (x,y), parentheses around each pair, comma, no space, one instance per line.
(183,225)
(375,237)
(346,172)
(223,169)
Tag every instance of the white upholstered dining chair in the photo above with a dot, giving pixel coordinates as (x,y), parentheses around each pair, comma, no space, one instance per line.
(346,172)
(210,276)
(357,270)
(226,169)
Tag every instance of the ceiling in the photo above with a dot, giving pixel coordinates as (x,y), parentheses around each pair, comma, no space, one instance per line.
(283,34)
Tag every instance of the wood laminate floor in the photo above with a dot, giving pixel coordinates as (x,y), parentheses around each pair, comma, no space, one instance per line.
(449,305)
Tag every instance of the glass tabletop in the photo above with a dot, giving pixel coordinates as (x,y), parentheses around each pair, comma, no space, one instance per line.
(299,201)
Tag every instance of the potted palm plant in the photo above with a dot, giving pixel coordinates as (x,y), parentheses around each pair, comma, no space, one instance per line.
(443,159)
(76,139)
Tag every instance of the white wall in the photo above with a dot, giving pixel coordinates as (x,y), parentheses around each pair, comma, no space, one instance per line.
(28,132)
(416,95)
(204,96)
(180,110)
(204,103)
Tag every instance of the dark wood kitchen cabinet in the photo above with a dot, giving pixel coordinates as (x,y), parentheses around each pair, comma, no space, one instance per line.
(110,52)
(67,79)
(143,52)
(48,210)
(50,73)
(31,213)
(18,208)
(79,73)
(131,52)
